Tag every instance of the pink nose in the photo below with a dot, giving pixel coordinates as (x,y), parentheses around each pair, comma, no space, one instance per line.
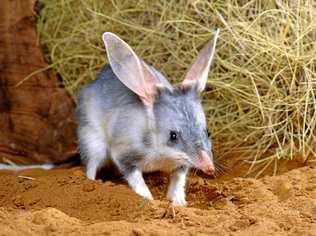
(209,170)
(205,163)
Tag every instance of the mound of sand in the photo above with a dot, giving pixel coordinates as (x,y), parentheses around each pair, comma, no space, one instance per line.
(64,202)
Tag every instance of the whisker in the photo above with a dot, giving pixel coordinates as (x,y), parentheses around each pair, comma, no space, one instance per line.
(221,167)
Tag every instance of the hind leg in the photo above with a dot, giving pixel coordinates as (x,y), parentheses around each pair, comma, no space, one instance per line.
(93,149)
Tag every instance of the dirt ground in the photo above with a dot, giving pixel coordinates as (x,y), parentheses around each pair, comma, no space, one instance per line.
(64,202)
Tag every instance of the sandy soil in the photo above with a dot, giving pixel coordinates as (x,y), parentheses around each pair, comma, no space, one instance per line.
(64,202)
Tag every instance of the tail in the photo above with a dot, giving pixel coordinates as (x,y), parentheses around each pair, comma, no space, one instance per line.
(25,167)
(71,161)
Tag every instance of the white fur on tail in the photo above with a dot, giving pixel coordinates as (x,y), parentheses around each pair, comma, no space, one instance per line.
(25,167)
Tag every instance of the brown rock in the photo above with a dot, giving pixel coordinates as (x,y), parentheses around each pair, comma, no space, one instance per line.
(36,114)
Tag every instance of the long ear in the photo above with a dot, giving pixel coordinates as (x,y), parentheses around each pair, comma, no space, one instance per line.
(130,70)
(199,70)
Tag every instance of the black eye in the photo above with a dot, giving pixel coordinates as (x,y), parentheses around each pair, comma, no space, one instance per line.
(173,136)
(208,133)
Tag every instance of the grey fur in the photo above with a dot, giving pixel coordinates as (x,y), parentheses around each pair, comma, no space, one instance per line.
(181,110)
(108,109)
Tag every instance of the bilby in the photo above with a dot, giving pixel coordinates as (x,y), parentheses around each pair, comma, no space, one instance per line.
(132,117)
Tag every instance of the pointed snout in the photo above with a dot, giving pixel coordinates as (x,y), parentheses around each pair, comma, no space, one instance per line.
(205,163)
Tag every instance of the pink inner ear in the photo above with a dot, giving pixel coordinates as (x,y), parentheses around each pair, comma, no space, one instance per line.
(199,70)
(130,70)
(151,83)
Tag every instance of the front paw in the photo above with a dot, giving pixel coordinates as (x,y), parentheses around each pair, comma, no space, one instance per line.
(144,192)
(177,198)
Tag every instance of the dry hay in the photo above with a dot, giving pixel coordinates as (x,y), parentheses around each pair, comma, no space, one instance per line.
(260,99)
